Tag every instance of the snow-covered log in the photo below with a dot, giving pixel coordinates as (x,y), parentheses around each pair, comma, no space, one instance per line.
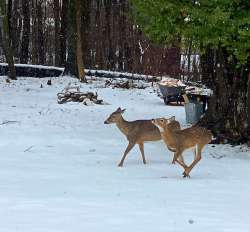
(27,70)
(112,74)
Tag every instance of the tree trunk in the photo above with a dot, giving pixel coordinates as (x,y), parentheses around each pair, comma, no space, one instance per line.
(71,66)
(189,53)
(57,34)
(228,109)
(63,33)
(16,28)
(248,106)
(79,52)
(40,38)
(34,53)
(24,58)
(109,48)
(5,37)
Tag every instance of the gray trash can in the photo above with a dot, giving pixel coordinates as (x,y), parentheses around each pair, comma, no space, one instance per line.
(193,111)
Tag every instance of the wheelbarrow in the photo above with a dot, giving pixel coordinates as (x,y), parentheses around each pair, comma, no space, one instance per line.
(172,93)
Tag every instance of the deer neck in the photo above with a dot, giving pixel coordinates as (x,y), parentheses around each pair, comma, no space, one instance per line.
(123,125)
(169,137)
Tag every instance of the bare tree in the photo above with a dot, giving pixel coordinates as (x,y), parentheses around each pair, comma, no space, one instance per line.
(79,51)
(63,32)
(95,35)
(5,37)
(40,33)
(57,31)
(24,57)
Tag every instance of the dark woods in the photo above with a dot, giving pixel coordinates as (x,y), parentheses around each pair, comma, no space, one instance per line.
(45,32)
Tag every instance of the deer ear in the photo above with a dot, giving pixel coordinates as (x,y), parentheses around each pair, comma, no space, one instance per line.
(172,118)
(118,109)
(122,111)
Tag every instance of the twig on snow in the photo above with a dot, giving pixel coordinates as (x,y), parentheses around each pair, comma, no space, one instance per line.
(8,122)
(28,149)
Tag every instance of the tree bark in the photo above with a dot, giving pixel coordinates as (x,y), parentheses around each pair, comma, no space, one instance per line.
(16,28)
(71,65)
(6,39)
(79,52)
(24,57)
(34,52)
(63,33)
(57,32)
(248,107)
(40,38)
(228,109)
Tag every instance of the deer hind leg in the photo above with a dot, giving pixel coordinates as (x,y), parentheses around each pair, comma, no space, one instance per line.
(196,160)
(195,151)
(128,149)
(141,146)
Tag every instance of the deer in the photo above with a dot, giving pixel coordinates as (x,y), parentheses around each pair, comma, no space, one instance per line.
(182,139)
(136,132)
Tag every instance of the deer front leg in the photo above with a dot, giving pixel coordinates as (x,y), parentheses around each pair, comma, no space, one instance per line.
(196,160)
(141,146)
(181,160)
(177,155)
(129,147)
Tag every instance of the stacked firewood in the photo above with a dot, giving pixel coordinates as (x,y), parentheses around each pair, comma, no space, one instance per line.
(128,84)
(171,82)
(87,98)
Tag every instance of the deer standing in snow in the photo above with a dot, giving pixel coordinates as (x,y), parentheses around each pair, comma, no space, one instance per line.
(181,140)
(137,132)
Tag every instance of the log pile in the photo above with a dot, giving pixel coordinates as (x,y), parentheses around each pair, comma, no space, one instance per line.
(88,98)
(124,84)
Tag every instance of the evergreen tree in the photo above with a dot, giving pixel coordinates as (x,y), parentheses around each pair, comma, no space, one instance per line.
(220,29)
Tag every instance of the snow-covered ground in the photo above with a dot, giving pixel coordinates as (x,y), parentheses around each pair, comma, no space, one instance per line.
(58,168)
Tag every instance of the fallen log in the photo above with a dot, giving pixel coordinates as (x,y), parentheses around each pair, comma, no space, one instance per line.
(28,70)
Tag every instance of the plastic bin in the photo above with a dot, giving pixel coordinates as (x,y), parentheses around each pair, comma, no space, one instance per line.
(193,111)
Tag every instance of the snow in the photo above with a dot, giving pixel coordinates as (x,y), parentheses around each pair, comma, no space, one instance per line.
(58,168)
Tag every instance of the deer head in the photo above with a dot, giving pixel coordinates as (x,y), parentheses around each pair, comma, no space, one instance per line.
(115,116)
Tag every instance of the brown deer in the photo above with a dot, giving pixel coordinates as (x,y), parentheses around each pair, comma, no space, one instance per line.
(181,140)
(137,132)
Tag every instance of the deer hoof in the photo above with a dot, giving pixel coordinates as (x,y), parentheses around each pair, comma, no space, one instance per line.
(120,165)
(185,175)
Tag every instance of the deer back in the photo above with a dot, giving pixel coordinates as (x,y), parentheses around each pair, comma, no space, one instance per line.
(192,136)
(140,130)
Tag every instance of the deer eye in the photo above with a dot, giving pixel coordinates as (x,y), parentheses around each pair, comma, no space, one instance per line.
(162,120)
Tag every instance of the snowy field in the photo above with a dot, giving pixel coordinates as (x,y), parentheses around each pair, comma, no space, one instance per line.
(58,168)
